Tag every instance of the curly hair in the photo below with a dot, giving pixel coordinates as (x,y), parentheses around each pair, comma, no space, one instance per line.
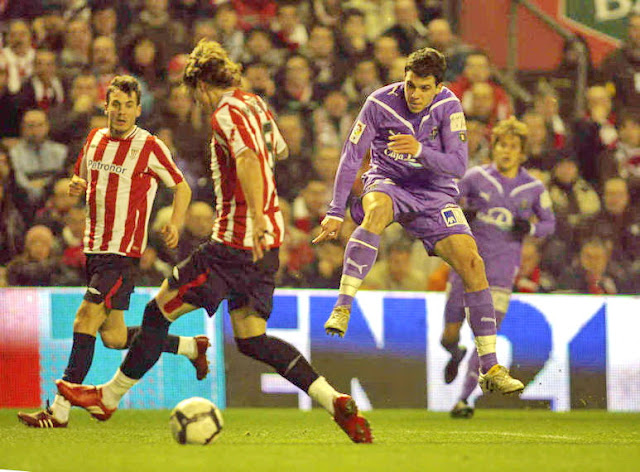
(510,126)
(210,63)
(425,62)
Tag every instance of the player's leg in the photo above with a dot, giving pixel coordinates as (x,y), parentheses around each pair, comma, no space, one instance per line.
(145,350)
(89,317)
(461,252)
(116,335)
(359,256)
(453,317)
(249,329)
(462,409)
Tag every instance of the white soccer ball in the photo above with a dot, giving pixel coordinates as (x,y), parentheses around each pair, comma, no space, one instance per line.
(195,420)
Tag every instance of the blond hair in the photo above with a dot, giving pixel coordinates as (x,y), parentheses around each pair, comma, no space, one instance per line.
(510,126)
(209,63)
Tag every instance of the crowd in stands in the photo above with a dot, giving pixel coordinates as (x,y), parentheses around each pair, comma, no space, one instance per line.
(315,62)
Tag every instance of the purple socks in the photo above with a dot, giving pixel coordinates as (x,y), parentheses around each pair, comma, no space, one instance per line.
(359,256)
(482,319)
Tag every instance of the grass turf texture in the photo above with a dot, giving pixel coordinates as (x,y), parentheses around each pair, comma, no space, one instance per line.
(265,440)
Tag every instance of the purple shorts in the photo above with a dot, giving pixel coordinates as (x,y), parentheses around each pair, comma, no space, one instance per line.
(420,220)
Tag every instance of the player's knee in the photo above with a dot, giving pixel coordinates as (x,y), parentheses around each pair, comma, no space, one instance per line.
(113,340)
(87,320)
(378,215)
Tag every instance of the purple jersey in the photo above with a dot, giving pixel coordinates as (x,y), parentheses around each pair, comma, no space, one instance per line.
(440,129)
(498,201)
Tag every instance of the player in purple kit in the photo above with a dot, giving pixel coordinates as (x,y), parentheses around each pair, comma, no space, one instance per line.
(416,133)
(503,197)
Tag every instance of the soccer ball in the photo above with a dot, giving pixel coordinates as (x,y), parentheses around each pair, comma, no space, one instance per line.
(195,421)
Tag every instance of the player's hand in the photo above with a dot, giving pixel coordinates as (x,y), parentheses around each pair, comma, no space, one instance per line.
(330,229)
(260,233)
(171,235)
(77,186)
(521,228)
(404,144)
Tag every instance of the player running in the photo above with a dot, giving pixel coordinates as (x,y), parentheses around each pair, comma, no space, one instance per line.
(240,261)
(119,167)
(504,197)
(416,133)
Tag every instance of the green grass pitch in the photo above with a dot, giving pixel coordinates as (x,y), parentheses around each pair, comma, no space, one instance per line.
(285,440)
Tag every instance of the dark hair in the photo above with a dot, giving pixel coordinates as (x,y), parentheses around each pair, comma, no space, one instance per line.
(425,62)
(628,114)
(126,84)
(350,12)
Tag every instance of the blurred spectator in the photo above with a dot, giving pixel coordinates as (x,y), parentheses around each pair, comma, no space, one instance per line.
(478,142)
(259,80)
(293,173)
(574,200)
(75,56)
(255,12)
(36,266)
(327,12)
(297,93)
(53,214)
(297,245)
(203,28)
(539,150)
(13,192)
(12,226)
(477,68)
(197,228)
(379,14)
(353,43)
(590,273)
(396,271)
(73,116)
(482,105)
(144,62)
(325,270)
(104,19)
(188,11)
(546,104)
(617,222)
(408,31)
(329,68)
(175,69)
(290,31)
(231,38)
(362,82)
(73,257)
(259,47)
(455,51)
(155,23)
(49,28)
(622,67)
(385,52)
(25,9)
(531,278)
(19,54)
(396,73)
(76,10)
(325,164)
(437,279)
(35,159)
(8,104)
(623,160)
(44,89)
(595,132)
(152,270)
(565,76)
(332,121)
(310,207)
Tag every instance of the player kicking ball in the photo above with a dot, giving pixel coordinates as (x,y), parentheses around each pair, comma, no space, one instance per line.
(119,168)
(416,133)
(504,197)
(240,261)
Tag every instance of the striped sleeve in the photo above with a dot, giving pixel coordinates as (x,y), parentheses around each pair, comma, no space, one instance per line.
(236,129)
(161,163)
(80,168)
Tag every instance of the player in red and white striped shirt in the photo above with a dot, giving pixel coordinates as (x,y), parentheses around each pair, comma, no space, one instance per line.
(241,260)
(119,167)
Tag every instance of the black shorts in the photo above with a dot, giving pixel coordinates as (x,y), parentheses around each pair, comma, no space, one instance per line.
(111,279)
(215,271)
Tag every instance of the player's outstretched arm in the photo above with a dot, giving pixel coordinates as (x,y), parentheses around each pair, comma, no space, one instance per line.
(543,209)
(181,200)
(249,172)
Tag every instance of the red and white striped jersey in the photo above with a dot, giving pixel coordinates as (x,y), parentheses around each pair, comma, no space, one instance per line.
(242,121)
(122,179)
